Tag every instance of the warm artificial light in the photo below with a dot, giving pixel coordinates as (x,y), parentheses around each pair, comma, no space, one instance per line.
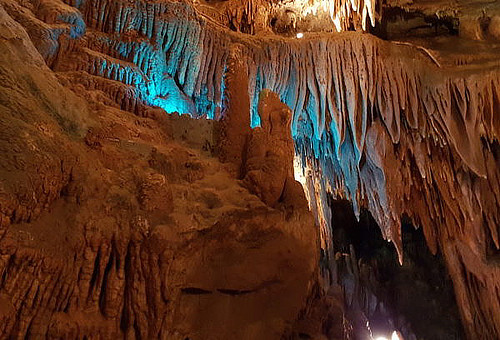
(340,11)
(394,336)
(300,35)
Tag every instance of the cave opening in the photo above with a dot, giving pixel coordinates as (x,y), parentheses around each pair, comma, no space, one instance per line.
(399,23)
(415,298)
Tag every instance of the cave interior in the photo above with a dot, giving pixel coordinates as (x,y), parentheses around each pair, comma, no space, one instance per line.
(250,169)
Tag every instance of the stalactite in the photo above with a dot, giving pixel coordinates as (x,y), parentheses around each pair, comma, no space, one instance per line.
(342,13)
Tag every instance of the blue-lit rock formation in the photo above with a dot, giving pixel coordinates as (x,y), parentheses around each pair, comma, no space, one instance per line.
(116,225)
(380,124)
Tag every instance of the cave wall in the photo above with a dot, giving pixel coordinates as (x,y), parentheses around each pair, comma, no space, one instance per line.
(126,225)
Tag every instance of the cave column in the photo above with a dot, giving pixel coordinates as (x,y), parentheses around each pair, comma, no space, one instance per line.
(235,123)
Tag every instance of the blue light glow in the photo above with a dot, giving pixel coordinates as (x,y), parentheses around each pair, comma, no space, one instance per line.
(179,65)
(77,25)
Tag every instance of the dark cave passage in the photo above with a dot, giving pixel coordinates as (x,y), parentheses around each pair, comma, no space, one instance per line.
(416,298)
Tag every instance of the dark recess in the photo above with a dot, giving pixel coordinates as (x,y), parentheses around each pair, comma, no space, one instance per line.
(398,23)
(418,296)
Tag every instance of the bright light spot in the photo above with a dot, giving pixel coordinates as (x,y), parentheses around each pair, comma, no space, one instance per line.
(337,24)
(395,336)
(300,35)
(300,172)
(340,11)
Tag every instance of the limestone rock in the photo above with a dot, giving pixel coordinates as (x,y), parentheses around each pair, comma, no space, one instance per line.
(269,155)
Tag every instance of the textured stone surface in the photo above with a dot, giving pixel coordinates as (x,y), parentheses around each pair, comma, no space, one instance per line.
(114,225)
(269,156)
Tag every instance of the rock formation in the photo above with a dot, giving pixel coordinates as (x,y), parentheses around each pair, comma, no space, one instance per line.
(118,225)
(269,155)
(111,225)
